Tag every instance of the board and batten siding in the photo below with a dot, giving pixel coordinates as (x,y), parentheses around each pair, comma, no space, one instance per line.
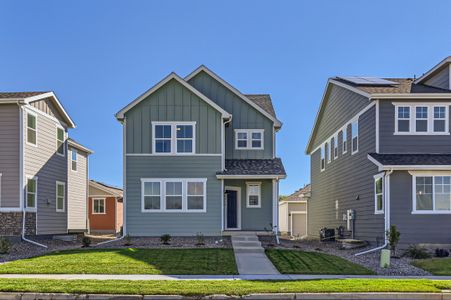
(77,191)
(414,228)
(9,156)
(391,143)
(441,79)
(244,117)
(173,102)
(178,224)
(348,179)
(43,162)
(47,106)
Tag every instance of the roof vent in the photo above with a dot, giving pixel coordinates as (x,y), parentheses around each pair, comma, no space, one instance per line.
(367,80)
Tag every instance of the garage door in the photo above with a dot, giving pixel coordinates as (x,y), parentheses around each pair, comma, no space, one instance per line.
(298,224)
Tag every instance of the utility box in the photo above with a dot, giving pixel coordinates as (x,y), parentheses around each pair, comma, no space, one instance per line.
(385,258)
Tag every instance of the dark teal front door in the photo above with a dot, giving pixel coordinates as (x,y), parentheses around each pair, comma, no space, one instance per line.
(232,210)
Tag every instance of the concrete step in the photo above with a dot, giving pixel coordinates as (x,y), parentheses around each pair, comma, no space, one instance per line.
(243,249)
(250,238)
(246,244)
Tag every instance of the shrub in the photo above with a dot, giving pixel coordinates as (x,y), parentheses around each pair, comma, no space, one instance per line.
(127,240)
(86,241)
(5,246)
(417,252)
(165,239)
(393,238)
(200,239)
(441,252)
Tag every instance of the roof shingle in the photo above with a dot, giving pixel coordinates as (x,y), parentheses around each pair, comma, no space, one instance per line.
(404,86)
(264,101)
(20,95)
(412,159)
(253,167)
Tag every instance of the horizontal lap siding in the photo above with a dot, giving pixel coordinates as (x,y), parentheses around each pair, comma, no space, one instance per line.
(77,191)
(348,179)
(9,156)
(416,228)
(390,143)
(155,224)
(244,117)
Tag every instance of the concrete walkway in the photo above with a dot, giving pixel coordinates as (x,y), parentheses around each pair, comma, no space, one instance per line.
(250,256)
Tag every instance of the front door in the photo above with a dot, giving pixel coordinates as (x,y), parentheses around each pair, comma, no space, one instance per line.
(232,210)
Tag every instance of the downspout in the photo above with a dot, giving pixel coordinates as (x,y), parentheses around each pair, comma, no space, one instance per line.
(21,181)
(223,168)
(124,186)
(386,214)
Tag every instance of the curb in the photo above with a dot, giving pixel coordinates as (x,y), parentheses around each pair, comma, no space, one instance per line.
(288,296)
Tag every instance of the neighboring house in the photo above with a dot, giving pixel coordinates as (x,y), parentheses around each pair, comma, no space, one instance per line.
(105,208)
(34,178)
(293,213)
(199,157)
(381,148)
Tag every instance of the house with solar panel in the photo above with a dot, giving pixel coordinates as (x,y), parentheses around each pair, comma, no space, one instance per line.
(380,154)
(199,157)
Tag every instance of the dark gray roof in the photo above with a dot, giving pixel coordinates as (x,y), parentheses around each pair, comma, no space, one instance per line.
(412,159)
(403,86)
(264,101)
(253,167)
(21,95)
(301,194)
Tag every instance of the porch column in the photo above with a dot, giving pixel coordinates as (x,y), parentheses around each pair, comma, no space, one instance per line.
(275,204)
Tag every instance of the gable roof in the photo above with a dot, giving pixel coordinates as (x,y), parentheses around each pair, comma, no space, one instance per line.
(264,101)
(267,114)
(299,195)
(28,97)
(437,68)
(115,191)
(172,76)
(75,144)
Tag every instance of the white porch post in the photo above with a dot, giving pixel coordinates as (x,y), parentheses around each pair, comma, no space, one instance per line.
(222,205)
(275,203)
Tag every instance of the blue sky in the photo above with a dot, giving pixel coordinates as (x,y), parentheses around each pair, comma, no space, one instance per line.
(99,55)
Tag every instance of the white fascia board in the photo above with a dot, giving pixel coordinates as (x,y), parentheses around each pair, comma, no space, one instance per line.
(435,68)
(411,96)
(100,187)
(251,176)
(382,167)
(374,161)
(70,122)
(277,123)
(79,147)
(120,115)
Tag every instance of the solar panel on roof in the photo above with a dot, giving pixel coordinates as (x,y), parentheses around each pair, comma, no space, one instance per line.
(367,80)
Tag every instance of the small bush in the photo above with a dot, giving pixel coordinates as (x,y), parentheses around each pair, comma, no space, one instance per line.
(86,241)
(393,238)
(200,239)
(417,252)
(441,252)
(5,246)
(127,240)
(165,239)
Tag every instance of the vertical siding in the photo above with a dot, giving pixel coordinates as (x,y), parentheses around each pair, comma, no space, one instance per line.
(47,106)
(441,79)
(43,162)
(77,191)
(244,117)
(390,143)
(348,179)
(283,218)
(9,156)
(173,102)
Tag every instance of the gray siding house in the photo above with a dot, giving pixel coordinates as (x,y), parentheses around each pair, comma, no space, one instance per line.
(381,155)
(34,177)
(199,157)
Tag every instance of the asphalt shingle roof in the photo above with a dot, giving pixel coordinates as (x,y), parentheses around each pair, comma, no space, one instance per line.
(404,86)
(112,189)
(412,159)
(301,194)
(8,95)
(253,167)
(264,101)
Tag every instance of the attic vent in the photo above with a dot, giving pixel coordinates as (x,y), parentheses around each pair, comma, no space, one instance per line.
(367,80)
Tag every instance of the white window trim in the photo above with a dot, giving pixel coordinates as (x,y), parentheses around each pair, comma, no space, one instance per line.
(412,120)
(328,152)
(335,148)
(184,182)
(104,206)
(28,112)
(377,211)
(344,138)
(249,139)
(259,184)
(416,174)
(173,138)
(64,140)
(31,209)
(352,137)
(56,196)
(72,150)
(322,157)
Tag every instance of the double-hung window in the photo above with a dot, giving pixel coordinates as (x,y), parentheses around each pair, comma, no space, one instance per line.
(173,195)
(74,160)
(328,153)
(60,149)
(32,193)
(249,139)
(354,136)
(439,118)
(60,196)
(336,146)
(323,157)
(379,194)
(432,194)
(345,140)
(421,119)
(403,121)
(253,199)
(32,133)
(176,138)
(98,206)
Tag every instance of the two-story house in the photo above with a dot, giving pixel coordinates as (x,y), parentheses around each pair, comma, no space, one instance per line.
(199,157)
(43,175)
(381,155)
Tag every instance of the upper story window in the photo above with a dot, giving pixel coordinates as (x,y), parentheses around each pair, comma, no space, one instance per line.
(378,194)
(249,139)
(32,133)
(253,195)
(60,149)
(336,146)
(32,193)
(175,138)
(421,119)
(354,136)
(74,160)
(323,157)
(432,194)
(328,152)
(345,140)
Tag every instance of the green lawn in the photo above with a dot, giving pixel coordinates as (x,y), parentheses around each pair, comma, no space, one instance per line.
(235,287)
(127,261)
(302,262)
(435,266)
